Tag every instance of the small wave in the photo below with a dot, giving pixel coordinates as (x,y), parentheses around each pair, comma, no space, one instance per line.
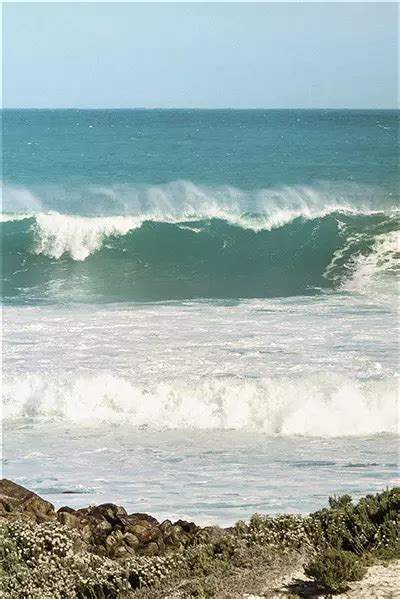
(319,405)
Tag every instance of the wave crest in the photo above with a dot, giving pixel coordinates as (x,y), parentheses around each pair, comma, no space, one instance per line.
(123,208)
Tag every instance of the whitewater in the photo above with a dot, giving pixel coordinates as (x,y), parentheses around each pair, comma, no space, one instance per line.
(196,332)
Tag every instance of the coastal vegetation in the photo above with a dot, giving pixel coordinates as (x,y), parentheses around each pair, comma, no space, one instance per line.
(46,554)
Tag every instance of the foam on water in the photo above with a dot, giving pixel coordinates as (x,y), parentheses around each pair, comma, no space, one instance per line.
(79,236)
(376,272)
(261,365)
(319,405)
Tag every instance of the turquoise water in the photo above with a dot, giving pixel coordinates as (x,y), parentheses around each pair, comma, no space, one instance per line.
(120,205)
(249,149)
(200,296)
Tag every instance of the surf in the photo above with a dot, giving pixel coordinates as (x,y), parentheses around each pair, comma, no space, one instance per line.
(122,258)
(323,404)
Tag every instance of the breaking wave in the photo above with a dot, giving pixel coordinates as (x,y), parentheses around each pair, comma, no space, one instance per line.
(183,241)
(317,405)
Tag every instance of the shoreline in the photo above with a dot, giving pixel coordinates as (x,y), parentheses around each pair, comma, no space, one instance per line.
(176,474)
(135,555)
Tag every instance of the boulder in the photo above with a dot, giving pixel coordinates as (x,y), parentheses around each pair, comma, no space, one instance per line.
(16,502)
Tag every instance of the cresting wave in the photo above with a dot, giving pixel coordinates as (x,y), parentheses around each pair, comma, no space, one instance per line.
(182,241)
(318,405)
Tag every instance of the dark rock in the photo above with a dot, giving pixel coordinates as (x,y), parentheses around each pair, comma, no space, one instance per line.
(189,527)
(65,508)
(101,530)
(144,517)
(108,511)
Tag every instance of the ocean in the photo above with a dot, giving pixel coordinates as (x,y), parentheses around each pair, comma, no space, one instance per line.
(200,307)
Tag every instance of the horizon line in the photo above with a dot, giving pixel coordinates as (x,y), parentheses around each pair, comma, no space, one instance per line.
(195,108)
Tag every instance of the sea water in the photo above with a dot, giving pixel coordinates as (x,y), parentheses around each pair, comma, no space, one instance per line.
(200,307)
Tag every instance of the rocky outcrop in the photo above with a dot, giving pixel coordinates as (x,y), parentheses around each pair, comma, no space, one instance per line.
(108,529)
(16,502)
(105,529)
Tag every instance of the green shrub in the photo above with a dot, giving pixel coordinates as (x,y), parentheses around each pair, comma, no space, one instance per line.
(340,501)
(334,568)
(371,524)
(281,532)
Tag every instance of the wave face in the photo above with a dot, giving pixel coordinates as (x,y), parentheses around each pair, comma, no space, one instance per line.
(293,241)
(317,405)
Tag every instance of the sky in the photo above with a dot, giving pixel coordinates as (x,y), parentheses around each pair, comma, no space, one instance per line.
(200,55)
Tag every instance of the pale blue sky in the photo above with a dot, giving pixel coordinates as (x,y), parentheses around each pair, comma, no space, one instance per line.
(206,55)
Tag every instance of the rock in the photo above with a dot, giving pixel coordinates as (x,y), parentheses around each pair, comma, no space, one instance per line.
(106,529)
(122,551)
(140,530)
(18,502)
(68,519)
(85,530)
(101,530)
(189,527)
(131,540)
(165,525)
(212,534)
(110,512)
(144,518)
(113,539)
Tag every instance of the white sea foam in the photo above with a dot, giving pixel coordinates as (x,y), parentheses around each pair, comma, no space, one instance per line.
(79,236)
(6,217)
(317,405)
(371,273)
(376,271)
